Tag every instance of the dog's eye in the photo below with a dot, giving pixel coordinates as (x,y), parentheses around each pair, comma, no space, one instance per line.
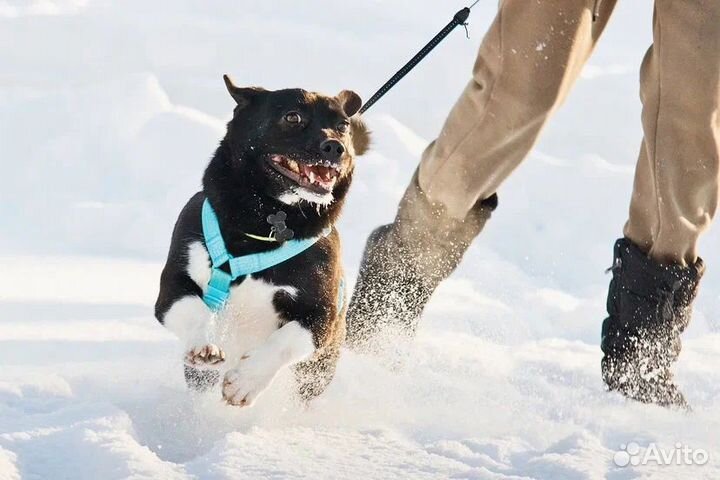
(293,118)
(343,127)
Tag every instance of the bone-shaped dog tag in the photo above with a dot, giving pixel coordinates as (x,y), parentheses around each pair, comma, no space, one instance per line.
(279,229)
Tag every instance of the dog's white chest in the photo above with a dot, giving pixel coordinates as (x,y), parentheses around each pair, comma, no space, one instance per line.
(249,316)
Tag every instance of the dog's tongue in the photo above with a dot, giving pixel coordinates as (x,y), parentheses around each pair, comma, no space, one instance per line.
(326,173)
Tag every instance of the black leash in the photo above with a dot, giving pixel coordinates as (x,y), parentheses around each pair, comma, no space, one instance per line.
(460,18)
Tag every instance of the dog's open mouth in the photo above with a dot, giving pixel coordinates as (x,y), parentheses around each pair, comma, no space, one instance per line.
(316,177)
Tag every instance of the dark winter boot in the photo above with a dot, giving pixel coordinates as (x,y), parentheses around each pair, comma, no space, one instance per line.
(405,261)
(649,306)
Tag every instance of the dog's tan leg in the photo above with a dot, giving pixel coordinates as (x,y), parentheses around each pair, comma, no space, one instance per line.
(313,376)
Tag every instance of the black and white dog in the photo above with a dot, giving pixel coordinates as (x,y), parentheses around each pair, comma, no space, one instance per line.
(281,172)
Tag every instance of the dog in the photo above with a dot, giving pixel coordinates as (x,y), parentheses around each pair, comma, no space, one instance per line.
(276,184)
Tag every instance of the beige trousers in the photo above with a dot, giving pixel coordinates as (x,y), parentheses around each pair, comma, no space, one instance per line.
(526,65)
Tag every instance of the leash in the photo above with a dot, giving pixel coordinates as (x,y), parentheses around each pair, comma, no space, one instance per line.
(460,18)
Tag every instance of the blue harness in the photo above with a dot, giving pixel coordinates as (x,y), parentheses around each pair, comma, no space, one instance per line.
(218,289)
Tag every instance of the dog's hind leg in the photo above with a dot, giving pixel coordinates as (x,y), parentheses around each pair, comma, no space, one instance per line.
(313,376)
(199,364)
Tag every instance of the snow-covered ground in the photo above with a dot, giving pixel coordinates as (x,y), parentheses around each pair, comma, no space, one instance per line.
(108,114)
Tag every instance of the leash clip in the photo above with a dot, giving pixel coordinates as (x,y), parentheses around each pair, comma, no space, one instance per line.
(460,18)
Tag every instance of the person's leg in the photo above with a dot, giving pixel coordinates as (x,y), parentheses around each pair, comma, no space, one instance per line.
(657,270)
(525,67)
(676,182)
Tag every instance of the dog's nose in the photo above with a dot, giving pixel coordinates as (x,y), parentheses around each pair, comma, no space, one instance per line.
(332,150)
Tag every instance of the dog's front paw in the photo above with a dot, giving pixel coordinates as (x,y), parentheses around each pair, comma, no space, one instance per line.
(205,355)
(244,384)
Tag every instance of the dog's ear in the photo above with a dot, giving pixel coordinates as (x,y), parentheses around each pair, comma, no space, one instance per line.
(350,102)
(242,96)
(360,135)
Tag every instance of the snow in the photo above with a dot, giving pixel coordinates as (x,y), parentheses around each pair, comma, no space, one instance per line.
(109,112)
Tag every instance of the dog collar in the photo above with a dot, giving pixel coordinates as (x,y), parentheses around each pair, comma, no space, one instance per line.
(218,288)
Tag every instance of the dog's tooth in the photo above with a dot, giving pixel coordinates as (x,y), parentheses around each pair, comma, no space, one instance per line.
(311,176)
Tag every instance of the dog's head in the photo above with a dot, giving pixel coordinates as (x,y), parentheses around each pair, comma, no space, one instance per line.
(296,145)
